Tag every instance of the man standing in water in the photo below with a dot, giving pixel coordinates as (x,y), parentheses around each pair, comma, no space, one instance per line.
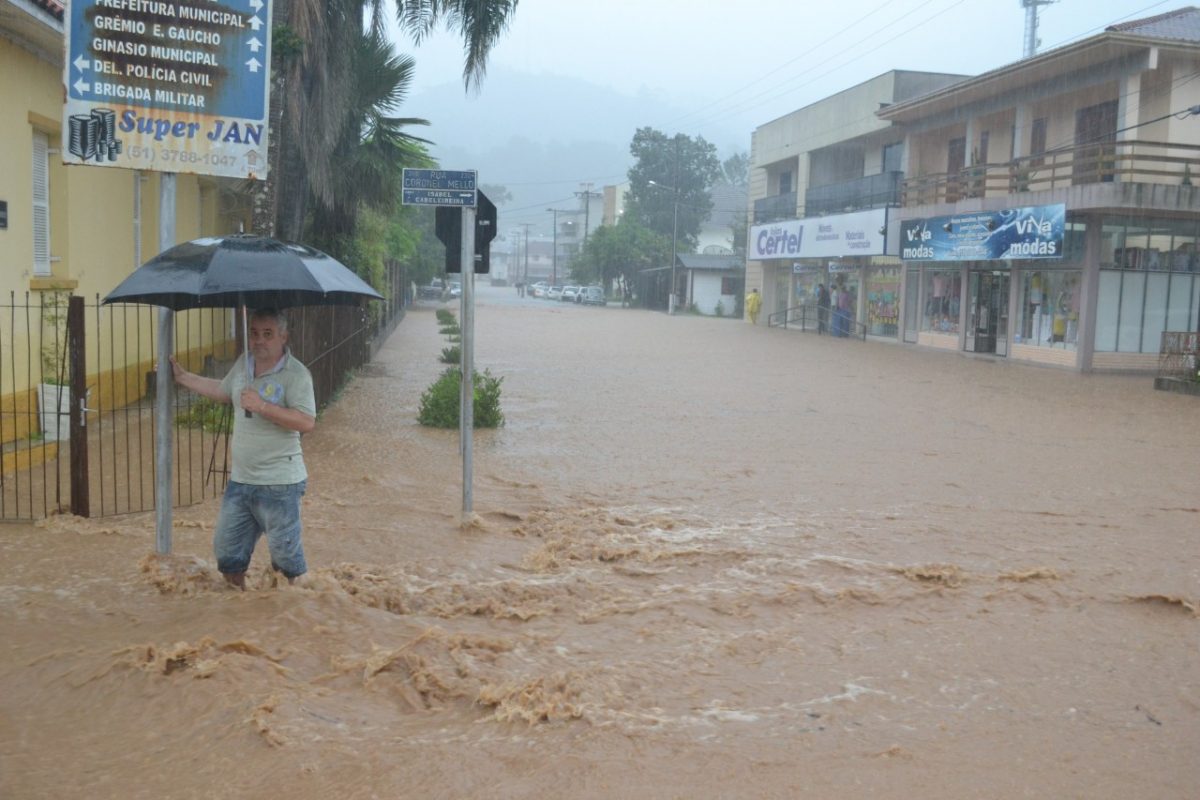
(268,477)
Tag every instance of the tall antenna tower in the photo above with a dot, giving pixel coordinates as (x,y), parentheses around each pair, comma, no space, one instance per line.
(1031,24)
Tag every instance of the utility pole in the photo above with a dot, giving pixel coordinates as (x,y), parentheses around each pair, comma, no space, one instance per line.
(554,260)
(586,194)
(525,277)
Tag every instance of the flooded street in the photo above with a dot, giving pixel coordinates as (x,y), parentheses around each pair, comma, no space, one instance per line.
(707,560)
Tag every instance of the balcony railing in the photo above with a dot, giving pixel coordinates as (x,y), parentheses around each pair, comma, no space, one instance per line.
(1127,162)
(770,209)
(870,191)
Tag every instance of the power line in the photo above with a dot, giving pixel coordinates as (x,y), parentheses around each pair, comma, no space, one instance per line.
(766,93)
(789,62)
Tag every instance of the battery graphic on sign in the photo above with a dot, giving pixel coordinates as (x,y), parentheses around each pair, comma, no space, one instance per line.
(93,136)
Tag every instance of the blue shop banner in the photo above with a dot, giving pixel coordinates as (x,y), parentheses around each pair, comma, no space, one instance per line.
(1032,232)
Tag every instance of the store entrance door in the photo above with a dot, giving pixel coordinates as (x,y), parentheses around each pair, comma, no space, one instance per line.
(987,322)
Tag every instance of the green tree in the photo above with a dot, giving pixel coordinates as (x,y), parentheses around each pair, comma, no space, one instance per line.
(735,170)
(669,174)
(373,147)
(620,251)
(498,194)
(313,75)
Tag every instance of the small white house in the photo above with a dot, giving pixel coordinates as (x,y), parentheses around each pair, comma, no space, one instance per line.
(715,283)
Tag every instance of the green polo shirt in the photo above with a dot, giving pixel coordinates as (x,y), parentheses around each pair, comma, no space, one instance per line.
(265,454)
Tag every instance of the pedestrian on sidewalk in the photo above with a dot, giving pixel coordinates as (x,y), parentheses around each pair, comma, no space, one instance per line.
(753,304)
(273,403)
(822,308)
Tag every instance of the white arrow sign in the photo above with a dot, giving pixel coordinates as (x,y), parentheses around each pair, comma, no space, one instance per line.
(253,64)
(255,44)
(256,5)
(81,63)
(255,23)
(82,87)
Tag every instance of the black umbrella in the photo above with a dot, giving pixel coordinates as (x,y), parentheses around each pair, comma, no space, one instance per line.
(231,271)
(242,270)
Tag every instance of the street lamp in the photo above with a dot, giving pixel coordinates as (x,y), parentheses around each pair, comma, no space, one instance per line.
(674,238)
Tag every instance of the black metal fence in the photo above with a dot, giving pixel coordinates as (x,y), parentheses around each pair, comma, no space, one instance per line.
(818,319)
(77,383)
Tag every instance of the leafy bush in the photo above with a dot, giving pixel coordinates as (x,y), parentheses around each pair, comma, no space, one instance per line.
(719,309)
(451,355)
(450,330)
(206,415)
(439,403)
(445,317)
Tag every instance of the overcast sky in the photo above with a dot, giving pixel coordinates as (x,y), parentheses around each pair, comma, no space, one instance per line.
(696,67)
(750,63)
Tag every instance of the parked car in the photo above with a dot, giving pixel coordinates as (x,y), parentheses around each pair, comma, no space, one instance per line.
(592,296)
(539,289)
(455,289)
(431,292)
(569,294)
(554,293)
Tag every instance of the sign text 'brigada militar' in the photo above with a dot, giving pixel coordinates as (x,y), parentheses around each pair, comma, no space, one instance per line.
(168,85)
(438,187)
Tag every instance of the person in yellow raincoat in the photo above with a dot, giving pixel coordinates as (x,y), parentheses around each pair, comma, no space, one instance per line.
(753,304)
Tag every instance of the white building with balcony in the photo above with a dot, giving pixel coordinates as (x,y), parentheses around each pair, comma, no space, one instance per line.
(1056,194)
(821,181)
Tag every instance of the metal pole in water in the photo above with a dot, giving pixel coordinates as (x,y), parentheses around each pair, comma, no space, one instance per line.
(164,378)
(467,412)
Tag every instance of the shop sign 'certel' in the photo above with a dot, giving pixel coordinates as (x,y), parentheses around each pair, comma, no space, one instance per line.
(168,85)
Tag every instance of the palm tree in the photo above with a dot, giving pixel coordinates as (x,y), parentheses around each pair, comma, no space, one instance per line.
(313,43)
(373,147)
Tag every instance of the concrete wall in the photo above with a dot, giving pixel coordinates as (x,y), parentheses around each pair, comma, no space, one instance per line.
(706,293)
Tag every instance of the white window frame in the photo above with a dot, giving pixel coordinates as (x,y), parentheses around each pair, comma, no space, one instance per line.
(41,204)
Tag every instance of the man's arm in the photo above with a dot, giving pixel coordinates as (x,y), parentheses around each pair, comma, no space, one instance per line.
(208,387)
(292,419)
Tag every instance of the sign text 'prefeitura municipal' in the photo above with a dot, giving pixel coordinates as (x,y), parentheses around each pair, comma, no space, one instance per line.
(168,85)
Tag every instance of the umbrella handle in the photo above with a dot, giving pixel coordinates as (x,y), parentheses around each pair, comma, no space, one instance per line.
(246,349)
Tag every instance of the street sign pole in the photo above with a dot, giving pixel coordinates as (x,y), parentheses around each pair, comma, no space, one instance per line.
(466,417)
(164,379)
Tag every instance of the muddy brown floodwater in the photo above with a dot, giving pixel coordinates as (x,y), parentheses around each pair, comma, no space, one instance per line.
(708,560)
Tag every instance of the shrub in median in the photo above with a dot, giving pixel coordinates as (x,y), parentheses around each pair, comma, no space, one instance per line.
(439,403)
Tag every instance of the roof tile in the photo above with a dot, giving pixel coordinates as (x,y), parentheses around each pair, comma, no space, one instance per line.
(1182,23)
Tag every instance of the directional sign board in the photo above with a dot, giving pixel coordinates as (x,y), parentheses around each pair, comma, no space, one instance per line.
(438,187)
(168,85)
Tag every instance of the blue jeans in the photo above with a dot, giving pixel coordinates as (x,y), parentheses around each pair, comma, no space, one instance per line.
(247,512)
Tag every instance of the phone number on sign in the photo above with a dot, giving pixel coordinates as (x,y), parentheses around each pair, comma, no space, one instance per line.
(169,156)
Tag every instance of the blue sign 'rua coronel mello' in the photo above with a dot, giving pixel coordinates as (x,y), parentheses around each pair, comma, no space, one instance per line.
(1031,232)
(438,187)
(168,85)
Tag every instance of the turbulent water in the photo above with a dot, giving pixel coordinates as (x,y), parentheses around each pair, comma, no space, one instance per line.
(707,560)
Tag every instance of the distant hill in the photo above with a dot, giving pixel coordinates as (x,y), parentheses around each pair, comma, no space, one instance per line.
(541,135)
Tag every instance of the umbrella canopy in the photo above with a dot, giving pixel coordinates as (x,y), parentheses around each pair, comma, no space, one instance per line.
(228,271)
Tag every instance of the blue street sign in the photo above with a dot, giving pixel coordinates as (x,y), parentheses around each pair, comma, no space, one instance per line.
(171,85)
(438,187)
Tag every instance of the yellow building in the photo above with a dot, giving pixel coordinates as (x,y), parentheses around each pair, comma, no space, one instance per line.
(77,229)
